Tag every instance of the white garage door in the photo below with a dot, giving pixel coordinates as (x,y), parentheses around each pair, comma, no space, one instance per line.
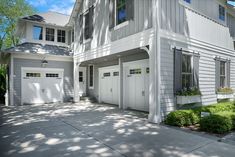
(136,85)
(109,85)
(41,85)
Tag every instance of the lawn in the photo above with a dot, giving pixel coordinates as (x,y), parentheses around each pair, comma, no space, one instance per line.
(220,118)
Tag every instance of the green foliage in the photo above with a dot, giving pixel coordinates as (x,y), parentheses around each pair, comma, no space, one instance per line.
(182,118)
(217,123)
(189,92)
(10,12)
(225,91)
(3,72)
(220,107)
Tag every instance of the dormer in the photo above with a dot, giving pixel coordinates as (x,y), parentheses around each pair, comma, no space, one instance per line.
(48,28)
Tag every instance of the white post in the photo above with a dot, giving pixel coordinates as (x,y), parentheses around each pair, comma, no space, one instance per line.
(76,98)
(155,75)
(120,83)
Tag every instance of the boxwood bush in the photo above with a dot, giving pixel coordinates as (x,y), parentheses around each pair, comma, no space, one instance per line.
(217,123)
(182,118)
(221,120)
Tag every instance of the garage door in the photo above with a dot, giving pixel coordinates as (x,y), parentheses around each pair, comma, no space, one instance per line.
(109,85)
(136,85)
(41,85)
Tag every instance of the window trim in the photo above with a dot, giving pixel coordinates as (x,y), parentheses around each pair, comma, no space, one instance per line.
(89,76)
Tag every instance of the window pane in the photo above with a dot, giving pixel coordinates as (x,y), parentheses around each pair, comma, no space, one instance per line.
(221,13)
(186,64)
(91,76)
(50,34)
(61,36)
(37,32)
(121,11)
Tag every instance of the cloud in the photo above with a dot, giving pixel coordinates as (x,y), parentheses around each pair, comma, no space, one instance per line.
(64,10)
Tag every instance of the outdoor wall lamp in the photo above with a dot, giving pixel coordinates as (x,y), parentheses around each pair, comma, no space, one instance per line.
(44,63)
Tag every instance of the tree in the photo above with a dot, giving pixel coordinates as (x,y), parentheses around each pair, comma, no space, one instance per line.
(10,12)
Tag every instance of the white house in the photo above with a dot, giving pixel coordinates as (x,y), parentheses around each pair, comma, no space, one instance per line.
(136,54)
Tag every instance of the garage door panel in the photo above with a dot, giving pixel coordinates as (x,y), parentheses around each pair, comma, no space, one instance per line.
(41,86)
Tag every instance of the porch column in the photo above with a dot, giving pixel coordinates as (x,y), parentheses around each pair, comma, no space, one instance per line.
(155,71)
(120,83)
(76,81)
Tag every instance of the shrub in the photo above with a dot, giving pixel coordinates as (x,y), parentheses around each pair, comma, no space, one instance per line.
(182,118)
(217,123)
(221,107)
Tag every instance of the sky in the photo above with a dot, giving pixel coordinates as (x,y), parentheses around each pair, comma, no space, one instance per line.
(61,6)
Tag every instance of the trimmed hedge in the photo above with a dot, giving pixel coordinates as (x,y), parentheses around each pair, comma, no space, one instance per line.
(221,120)
(182,118)
(217,123)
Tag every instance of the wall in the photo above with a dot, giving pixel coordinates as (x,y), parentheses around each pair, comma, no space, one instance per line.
(68,76)
(180,19)
(206,73)
(102,34)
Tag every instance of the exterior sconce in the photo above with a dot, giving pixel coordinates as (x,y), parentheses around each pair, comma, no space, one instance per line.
(44,63)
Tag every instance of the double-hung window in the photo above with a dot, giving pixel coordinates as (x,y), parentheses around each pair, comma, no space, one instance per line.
(50,34)
(187,73)
(37,32)
(222,74)
(121,11)
(221,13)
(61,36)
(86,27)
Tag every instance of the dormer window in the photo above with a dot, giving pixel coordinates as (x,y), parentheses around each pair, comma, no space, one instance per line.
(221,13)
(37,33)
(61,36)
(50,34)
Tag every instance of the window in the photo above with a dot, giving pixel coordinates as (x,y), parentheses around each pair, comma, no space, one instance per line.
(52,75)
(221,13)
(121,11)
(187,74)
(37,32)
(106,74)
(91,76)
(188,1)
(135,71)
(80,76)
(72,36)
(61,36)
(33,75)
(50,34)
(147,70)
(222,74)
(86,28)
(116,73)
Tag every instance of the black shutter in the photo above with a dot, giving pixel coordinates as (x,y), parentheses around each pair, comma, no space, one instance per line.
(177,70)
(196,70)
(228,73)
(130,8)
(217,74)
(81,28)
(91,18)
(111,13)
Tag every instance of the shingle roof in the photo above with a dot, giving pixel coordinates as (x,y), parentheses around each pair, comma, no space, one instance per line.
(52,18)
(35,48)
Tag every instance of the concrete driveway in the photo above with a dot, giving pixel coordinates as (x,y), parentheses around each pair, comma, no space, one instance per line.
(92,130)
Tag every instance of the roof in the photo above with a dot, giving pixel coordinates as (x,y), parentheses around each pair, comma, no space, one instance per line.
(75,10)
(50,17)
(35,48)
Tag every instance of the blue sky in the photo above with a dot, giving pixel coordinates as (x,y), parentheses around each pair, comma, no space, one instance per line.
(61,6)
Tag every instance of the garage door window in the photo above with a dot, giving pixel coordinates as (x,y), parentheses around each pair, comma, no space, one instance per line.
(116,73)
(106,75)
(52,75)
(135,71)
(33,75)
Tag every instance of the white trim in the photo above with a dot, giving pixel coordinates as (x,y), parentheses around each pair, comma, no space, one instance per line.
(41,56)
(91,87)
(123,24)
(12,82)
(43,70)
